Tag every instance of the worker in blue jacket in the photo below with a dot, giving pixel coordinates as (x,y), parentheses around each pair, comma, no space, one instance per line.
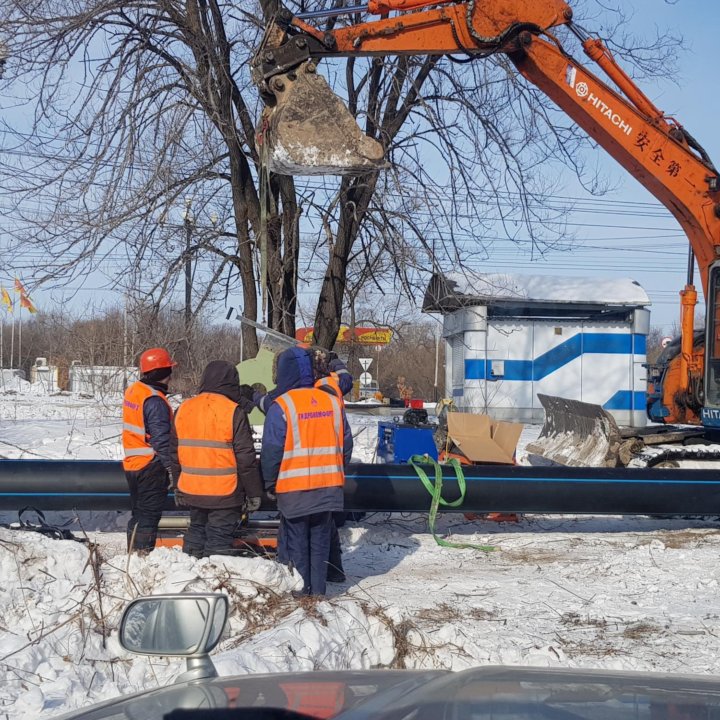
(323,363)
(294,370)
(331,363)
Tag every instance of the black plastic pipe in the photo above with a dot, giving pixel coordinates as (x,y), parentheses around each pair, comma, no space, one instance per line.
(100,485)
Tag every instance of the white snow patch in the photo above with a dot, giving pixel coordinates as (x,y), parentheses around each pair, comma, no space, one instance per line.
(629,593)
(548,288)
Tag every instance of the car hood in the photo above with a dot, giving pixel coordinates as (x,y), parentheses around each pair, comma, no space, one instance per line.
(489,693)
(320,694)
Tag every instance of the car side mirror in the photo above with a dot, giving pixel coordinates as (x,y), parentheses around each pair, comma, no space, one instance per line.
(188,624)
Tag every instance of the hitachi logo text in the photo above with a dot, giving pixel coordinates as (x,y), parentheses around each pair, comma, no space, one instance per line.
(614,118)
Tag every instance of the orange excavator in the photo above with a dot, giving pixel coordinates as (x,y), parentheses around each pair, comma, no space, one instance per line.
(307,130)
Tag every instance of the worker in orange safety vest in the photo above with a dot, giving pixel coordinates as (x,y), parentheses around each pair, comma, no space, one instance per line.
(331,375)
(214,460)
(147,418)
(306,444)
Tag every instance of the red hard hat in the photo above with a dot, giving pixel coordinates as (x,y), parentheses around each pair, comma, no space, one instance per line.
(155,358)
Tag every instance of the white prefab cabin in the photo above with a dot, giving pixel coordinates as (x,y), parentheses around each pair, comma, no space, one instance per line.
(510,337)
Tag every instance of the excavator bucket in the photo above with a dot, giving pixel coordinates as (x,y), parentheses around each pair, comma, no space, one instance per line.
(578,434)
(310,131)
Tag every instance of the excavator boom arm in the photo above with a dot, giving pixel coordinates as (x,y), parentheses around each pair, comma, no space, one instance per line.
(652,150)
(306,128)
(626,124)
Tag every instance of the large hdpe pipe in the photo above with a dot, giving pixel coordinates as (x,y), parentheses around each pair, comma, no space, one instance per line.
(100,485)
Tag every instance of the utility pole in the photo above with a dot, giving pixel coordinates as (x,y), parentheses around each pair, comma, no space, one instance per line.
(3,59)
(188,222)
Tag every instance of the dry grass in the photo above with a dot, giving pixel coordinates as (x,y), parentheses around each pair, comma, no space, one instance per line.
(575,620)
(600,639)
(309,603)
(261,612)
(481,614)
(679,539)
(641,630)
(536,556)
(400,632)
(594,648)
(440,614)
(445,613)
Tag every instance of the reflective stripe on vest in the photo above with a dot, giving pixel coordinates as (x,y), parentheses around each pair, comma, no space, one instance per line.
(204,443)
(138,452)
(204,428)
(137,429)
(313,453)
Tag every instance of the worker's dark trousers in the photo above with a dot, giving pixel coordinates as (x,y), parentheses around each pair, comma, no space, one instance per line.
(211,532)
(307,542)
(335,571)
(148,490)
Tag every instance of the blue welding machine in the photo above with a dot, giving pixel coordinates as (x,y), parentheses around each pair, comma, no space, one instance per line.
(399,440)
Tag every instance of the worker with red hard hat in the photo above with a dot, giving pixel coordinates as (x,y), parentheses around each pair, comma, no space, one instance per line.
(147,422)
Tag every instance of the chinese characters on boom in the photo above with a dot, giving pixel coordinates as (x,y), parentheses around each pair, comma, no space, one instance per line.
(642,140)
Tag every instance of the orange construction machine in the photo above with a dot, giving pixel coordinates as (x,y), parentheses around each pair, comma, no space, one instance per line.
(306,129)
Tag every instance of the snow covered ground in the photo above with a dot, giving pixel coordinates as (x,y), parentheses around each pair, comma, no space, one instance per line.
(590,592)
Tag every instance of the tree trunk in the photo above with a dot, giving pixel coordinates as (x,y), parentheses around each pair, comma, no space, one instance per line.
(357,192)
(240,174)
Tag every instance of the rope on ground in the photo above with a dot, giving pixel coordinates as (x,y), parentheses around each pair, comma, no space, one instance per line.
(435,490)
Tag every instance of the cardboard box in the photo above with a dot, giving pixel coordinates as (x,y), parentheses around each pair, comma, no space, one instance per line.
(482,439)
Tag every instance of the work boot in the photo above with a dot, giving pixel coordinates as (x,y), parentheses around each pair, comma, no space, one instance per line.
(193,552)
(335,575)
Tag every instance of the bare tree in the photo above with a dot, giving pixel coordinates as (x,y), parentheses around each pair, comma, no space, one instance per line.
(108,336)
(137,104)
(157,115)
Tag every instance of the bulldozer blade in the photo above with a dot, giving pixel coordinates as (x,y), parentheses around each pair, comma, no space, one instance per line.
(310,131)
(577,434)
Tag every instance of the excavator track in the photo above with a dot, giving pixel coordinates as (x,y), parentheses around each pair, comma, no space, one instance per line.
(580,434)
(678,456)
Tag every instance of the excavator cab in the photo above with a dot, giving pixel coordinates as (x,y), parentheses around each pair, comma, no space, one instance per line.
(710,413)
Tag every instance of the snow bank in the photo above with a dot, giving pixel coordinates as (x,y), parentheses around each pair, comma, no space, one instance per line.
(60,607)
(16,385)
(629,593)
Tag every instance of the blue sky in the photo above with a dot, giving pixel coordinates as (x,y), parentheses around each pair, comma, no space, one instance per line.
(626,232)
(695,102)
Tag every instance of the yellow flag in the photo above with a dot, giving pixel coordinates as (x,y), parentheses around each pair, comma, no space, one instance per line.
(5,297)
